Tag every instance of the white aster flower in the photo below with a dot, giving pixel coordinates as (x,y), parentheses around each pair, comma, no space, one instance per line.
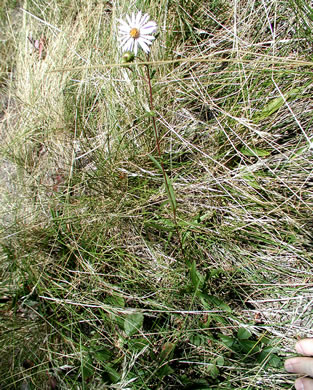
(137,31)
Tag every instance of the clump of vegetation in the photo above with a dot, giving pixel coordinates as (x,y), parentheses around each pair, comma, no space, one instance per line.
(155,246)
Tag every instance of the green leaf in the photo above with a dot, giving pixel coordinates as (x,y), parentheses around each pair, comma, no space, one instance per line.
(212,370)
(115,301)
(197,384)
(164,371)
(220,361)
(276,103)
(168,183)
(273,106)
(198,339)
(167,350)
(137,344)
(270,349)
(243,334)
(299,152)
(213,301)
(110,375)
(102,355)
(275,361)
(133,323)
(249,346)
(254,152)
(195,276)
(117,319)
(269,358)
(227,340)
(161,225)
(216,272)
(87,369)
(250,179)
(156,162)
(170,191)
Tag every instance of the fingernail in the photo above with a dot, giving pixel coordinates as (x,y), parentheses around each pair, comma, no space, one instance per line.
(299,385)
(289,366)
(299,348)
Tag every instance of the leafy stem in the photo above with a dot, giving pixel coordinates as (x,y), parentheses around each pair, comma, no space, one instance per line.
(167,181)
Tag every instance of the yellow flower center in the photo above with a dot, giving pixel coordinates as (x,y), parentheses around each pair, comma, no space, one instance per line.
(134,33)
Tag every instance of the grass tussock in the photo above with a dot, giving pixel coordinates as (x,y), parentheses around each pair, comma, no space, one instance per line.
(136,259)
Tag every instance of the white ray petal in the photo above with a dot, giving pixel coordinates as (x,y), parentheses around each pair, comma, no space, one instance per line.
(122,22)
(144,46)
(144,19)
(124,29)
(130,46)
(124,45)
(135,46)
(138,17)
(146,31)
(123,42)
(129,20)
(146,43)
(150,24)
(148,38)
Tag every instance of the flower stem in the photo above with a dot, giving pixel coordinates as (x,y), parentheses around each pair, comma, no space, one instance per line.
(157,139)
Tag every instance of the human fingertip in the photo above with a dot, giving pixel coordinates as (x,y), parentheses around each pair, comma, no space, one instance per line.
(299,347)
(299,384)
(289,366)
